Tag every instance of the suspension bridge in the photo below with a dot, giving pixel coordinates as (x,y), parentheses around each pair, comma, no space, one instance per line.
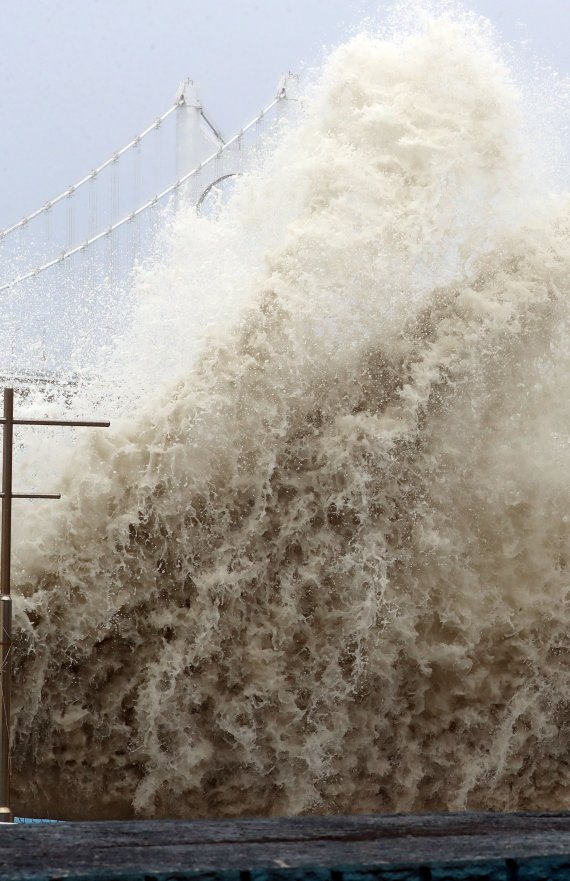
(65,268)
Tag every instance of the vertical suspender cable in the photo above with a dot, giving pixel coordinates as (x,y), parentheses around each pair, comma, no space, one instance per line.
(239,151)
(115,172)
(70,219)
(47,229)
(93,220)
(153,222)
(135,223)
(67,267)
(91,257)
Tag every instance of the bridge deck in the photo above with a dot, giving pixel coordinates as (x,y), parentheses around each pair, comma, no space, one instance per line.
(509,847)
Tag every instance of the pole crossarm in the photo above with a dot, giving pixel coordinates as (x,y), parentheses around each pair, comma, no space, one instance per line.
(31,496)
(58,422)
(6,495)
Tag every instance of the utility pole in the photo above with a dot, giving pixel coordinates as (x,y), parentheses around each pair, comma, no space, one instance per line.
(8,422)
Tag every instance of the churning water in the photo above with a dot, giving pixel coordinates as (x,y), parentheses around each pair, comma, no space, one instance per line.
(320,561)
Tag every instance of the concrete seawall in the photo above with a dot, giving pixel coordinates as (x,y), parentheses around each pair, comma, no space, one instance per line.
(429,847)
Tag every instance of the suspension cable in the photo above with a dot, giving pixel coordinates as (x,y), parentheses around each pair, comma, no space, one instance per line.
(70,190)
(150,204)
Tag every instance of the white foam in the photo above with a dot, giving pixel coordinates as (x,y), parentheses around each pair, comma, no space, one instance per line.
(320,561)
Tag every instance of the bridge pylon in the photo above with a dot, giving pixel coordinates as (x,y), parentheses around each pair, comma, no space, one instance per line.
(196,136)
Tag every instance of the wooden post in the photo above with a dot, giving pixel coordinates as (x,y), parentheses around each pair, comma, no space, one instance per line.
(6,815)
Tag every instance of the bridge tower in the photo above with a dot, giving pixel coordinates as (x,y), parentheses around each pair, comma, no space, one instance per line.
(196,136)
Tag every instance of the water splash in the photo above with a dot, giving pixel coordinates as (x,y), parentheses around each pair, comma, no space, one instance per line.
(323,567)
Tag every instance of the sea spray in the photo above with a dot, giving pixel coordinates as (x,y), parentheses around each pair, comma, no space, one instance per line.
(319,564)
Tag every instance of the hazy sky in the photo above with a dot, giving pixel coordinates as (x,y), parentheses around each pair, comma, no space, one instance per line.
(80,77)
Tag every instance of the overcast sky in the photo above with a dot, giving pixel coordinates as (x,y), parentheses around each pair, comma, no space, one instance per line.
(80,77)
